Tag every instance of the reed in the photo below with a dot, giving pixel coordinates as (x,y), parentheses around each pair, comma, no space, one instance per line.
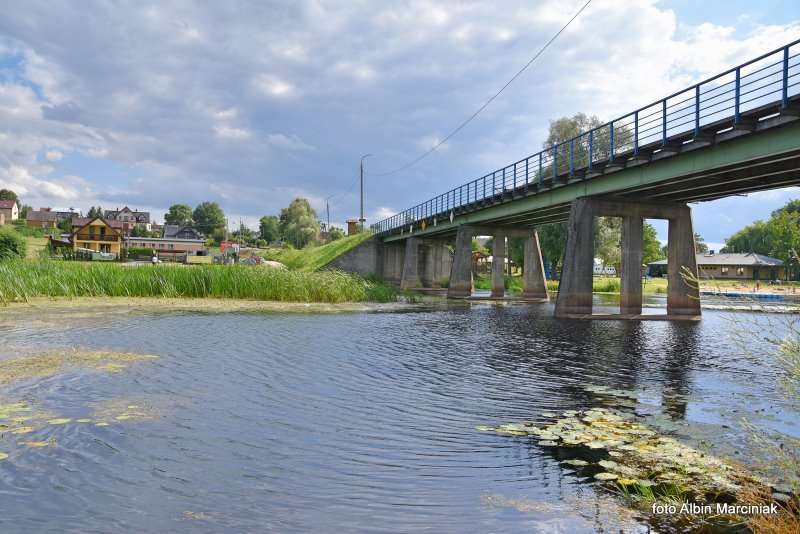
(22,280)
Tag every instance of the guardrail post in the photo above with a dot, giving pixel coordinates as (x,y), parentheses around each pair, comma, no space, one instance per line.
(527,177)
(541,176)
(737,118)
(697,110)
(571,157)
(636,133)
(785,95)
(591,150)
(494,186)
(611,148)
(555,162)
(664,122)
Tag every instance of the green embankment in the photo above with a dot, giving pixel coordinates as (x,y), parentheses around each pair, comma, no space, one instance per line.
(21,280)
(313,258)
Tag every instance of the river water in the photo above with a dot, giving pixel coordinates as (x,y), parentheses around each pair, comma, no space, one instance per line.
(357,421)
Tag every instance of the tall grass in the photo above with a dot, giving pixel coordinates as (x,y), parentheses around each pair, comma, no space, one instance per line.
(313,257)
(21,280)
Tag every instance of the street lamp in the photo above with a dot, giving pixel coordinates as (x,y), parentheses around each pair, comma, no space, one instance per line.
(361,219)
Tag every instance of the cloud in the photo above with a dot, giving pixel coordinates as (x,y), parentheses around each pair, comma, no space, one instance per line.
(253,104)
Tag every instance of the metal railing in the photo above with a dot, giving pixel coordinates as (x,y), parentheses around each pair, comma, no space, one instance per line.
(768,79)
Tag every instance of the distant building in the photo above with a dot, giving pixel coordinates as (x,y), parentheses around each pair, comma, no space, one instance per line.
(175,231)
(47,218)
(130,219)
(10,210)
(164,246)
(97,234)
(600,269)
(353,227)
(725,265)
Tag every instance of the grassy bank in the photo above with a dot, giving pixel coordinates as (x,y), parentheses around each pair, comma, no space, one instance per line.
(22,280)
(313,258)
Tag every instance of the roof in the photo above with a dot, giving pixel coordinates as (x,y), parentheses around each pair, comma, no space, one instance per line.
(42,216)
(83,221)
(732,258)
(165,239)
(7,204)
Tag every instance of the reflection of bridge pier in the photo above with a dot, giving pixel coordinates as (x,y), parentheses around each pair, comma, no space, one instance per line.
(575,291)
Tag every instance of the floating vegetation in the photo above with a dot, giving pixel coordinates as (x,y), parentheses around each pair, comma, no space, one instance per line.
(54,362)
(3,455)
(635,456)
(59,421)
(124,410)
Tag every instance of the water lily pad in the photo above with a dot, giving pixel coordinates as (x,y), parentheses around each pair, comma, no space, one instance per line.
(83,420)
(3,455)
(101,424)
(615,454)
(59,421)
(484,428)
(22,430)
(37,444)
(605,476)
(576,462)
(608,464)
(547,443)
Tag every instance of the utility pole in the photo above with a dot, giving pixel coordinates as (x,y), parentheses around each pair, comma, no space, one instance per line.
(328,211)
(361,219)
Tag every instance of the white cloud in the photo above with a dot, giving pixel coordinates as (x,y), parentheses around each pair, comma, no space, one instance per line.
(53,155)
(227,132)
(288,142)
(272,86)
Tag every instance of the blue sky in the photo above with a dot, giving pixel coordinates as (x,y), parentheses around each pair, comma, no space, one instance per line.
(251,104)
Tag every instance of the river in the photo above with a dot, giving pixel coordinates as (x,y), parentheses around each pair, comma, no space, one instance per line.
(343,422)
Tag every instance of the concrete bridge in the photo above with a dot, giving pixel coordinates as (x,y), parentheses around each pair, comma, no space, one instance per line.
(737,132)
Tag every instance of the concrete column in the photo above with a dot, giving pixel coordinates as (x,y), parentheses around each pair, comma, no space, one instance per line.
(630,301)
(534,283)
(498,264)
(461,271)
(683,293)
(575,289)
(410,277)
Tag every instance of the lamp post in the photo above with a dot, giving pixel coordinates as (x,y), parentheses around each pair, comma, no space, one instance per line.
(361,218)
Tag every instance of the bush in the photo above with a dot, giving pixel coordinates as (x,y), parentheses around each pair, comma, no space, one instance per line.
(12,245)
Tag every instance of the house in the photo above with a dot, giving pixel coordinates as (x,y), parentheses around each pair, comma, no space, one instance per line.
(129,219)
(9,209)
(168,247)
(175,231)
(599,268)
(730,266)
(97,234)
(47,218)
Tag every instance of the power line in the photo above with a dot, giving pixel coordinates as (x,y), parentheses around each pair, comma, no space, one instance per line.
(486,104)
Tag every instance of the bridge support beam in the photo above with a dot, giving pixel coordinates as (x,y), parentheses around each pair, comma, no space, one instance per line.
(683,292)
(410,277)
(436,262)
(630,300)
(575,288)
(575,291)
(498,264)
(461,271)
(534,284)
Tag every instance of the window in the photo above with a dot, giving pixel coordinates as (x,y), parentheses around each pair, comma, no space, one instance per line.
(740,271)
(724,271)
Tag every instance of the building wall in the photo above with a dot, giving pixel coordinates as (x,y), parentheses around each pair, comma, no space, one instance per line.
(167,246)
(733,272)
(98,236)
(11,214)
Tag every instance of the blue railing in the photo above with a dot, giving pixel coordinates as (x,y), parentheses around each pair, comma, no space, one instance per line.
(720,101)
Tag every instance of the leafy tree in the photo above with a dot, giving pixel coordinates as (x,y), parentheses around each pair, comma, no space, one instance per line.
(24,211)
(95,212)
(651,246)
(553,241)
(8,194)
(607,232)
(180,214)
(335,233)
(12,244)
(269,228)
(700,246)
(793,206)
(298,223)
(65,225)
(209,218)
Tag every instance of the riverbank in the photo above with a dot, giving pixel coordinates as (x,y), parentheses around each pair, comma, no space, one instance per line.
(21,281)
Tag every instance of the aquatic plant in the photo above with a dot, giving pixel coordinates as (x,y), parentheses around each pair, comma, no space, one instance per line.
(55,361)
(22,280)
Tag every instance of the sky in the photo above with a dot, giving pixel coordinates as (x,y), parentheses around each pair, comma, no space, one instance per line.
(251,104)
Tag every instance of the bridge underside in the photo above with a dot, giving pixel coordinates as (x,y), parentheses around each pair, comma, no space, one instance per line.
(763,154)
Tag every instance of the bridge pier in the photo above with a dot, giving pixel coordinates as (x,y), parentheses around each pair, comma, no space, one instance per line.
(436,262)
(410,277)
(575,291)
(534,284)
(460,285)
(498,264)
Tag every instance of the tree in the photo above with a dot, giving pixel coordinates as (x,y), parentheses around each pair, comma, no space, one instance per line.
(269,228)
(651,246)
(12,244)
(209,218)
(335,233)
(65,225)
(180,214)
(95,212)
(553,241)
(793,206)
(8,194)
(607,232)
(700,246)
(24,211)
(298,223)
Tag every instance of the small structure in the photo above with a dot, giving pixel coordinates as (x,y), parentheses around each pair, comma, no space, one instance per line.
(97,235)
(175,231)
(173,248)
(731,266)
(353,227)
(10,210)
